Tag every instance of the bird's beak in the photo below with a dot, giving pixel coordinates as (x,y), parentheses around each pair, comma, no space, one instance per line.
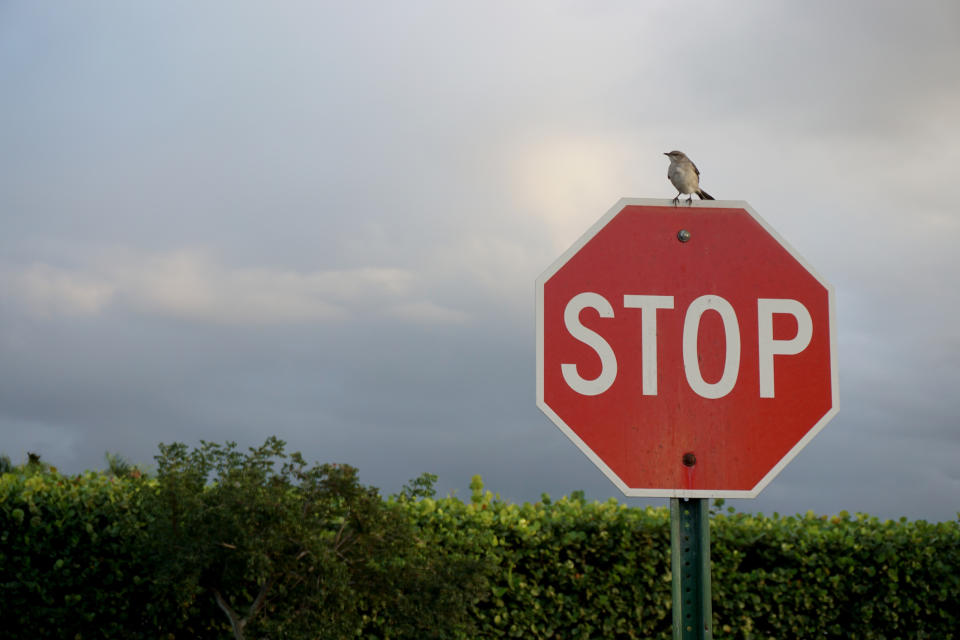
(665,153)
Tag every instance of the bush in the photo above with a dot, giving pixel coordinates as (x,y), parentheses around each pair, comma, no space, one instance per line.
(572,569)
(295,551)
(222,542)
(569,569)
(838,577)
(72,562)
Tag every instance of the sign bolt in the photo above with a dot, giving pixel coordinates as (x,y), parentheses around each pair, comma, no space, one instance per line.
(683,235)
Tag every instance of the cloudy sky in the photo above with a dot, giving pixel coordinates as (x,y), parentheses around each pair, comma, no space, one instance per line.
(324,221)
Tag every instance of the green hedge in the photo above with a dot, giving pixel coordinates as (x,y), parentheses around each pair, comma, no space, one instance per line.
(568,569)
(840,577)
(573,569)
(73,562)
(71,559)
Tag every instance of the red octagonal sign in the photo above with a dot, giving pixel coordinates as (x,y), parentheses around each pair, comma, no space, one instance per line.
(689,351)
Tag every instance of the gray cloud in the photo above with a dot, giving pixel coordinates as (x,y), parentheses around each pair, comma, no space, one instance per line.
(235,220)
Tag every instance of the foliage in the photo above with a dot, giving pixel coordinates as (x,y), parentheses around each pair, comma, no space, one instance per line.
(565,569)
(119,467)
(71,557)
(420,487)
(835,577)
(290,550)
(298,551)
(222,543)
(577,569)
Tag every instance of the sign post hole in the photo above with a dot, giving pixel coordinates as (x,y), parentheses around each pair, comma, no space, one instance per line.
(690,353)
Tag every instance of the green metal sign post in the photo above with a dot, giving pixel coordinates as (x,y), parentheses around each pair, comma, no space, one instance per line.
(690,565)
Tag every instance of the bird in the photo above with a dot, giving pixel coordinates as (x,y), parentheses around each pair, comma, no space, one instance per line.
(685,177)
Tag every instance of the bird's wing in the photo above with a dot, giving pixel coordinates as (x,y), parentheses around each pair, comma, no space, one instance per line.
(695,170)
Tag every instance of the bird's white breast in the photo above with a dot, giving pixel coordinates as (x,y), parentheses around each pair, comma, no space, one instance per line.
(683,177)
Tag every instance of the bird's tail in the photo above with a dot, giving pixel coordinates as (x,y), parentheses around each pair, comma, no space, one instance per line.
(704,195)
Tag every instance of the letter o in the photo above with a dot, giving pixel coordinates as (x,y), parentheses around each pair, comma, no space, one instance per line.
(691,360)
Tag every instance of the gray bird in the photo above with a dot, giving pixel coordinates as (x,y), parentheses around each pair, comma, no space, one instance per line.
(685,177)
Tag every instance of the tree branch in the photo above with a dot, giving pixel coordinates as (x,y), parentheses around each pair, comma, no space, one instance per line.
(236,621)
(260,599)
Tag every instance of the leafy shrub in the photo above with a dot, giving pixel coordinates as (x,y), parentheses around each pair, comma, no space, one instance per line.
(222,541)
(295,551)
(71,559)
(572,569)
(569,569)
(837,577)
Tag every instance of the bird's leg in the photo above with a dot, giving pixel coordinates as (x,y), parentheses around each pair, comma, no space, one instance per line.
(677,199)
(690,199)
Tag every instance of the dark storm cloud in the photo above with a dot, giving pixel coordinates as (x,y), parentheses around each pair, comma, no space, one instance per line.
(237,220)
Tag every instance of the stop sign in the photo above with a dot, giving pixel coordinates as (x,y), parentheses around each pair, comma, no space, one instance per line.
(689,351)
